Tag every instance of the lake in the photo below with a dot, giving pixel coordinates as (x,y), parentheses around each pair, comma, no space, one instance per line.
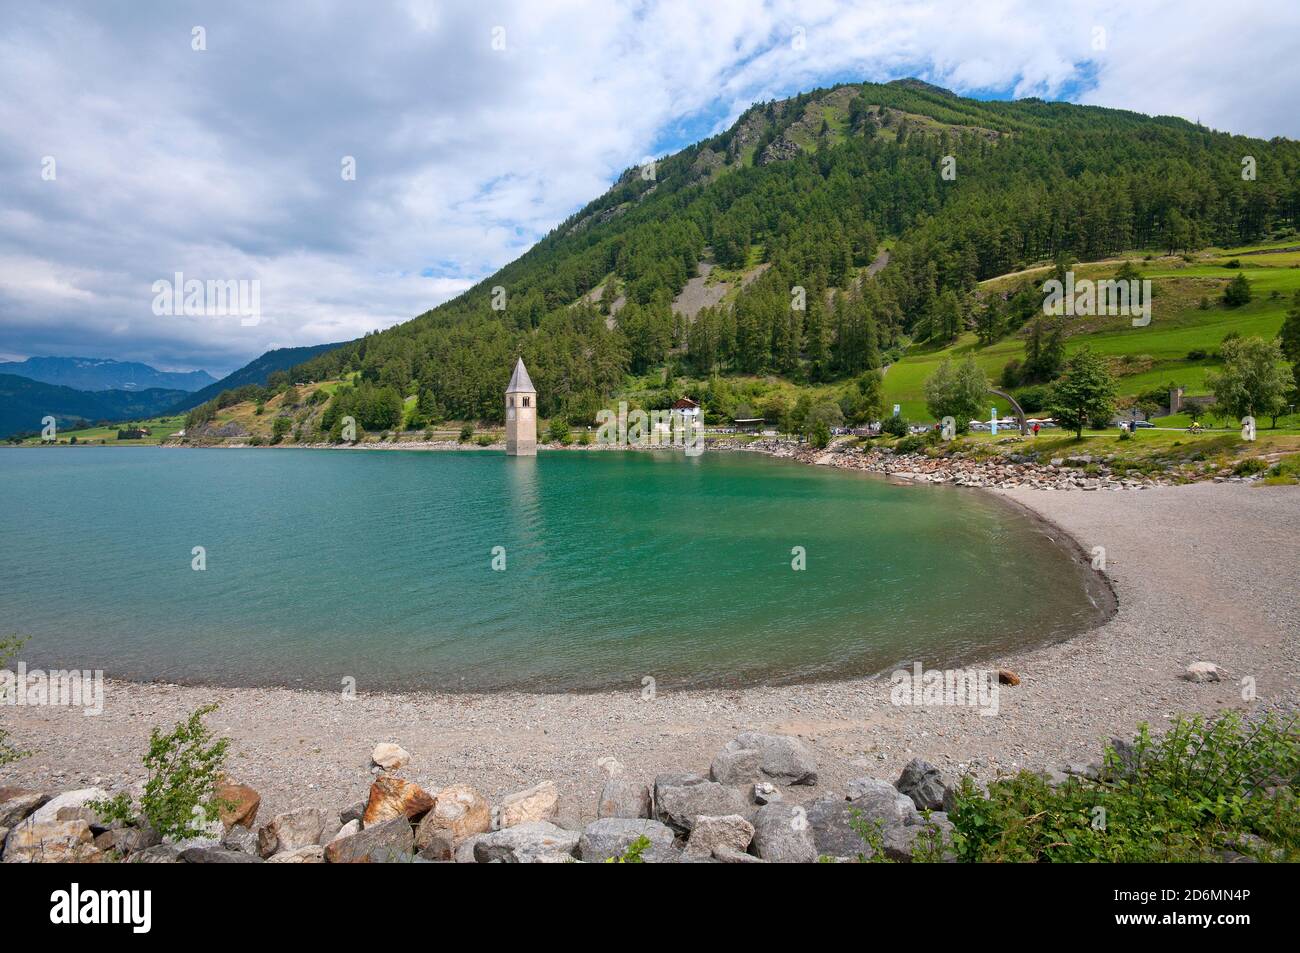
(323,565)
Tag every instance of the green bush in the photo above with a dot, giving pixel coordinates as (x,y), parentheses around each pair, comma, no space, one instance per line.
(184,768)
(912,443)
(894,426)
(466,432)
(1203,787)
(9,647)
(558,430)
(1250,466)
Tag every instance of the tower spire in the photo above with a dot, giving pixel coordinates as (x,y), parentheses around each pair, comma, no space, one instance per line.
(521,413)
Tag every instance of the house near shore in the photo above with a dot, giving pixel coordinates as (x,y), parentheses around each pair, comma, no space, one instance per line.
(688,408)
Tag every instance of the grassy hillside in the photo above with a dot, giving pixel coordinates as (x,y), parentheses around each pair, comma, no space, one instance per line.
(160,430)
(1141,358)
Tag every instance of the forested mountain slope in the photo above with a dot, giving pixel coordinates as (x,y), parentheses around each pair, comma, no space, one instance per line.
(811,187)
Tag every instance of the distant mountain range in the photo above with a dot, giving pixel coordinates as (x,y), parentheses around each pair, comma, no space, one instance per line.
(25,402)
(100,374)
(78,391)
(254,372)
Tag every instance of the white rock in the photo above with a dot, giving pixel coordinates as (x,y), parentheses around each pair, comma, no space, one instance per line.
(389,756)
(49,811)
(541,802)
(1202,672)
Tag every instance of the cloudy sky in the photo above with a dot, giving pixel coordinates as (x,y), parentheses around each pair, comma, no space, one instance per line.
(127,155)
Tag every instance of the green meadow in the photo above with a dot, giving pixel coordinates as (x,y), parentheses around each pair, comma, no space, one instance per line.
(1187,317)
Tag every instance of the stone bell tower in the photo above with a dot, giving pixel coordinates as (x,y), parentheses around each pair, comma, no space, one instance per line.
(521,414)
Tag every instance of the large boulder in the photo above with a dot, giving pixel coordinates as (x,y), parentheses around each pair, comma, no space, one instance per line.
(880,801)
(49,811)
(387,840)
(395,797)
(681,798)
(17,804)
(241,804)
(291,830)
(834,822)
(51,842)
(389,756)
(623,798)
(458,812)
(240,838)
(782,759)
(541,802)
(783,835)
(711,834)
(736,765)
(900,843)
(533,842)
(923,783)
(612,836)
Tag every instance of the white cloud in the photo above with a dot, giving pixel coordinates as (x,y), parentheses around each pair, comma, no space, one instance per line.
(225,163)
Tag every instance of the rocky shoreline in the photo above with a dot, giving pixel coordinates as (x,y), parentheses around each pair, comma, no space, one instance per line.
(736,812)
(996,470)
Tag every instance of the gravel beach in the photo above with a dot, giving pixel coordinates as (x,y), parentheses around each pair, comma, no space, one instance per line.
(1201,572)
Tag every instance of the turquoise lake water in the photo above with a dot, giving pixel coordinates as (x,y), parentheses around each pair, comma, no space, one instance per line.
(378,566)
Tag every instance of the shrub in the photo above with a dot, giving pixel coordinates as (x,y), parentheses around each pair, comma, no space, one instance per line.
(894,426)
(280,428)
(1238,292)
(1250,466)
(1285,472)
(1200,788)
(466,432)
(558,430)
(184,767)
(910,444)
(9,647)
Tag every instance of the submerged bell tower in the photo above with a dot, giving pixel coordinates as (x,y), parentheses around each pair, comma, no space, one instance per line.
(521,414)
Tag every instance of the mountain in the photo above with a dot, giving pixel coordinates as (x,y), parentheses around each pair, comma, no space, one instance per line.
(757,251)
(256,372)
(24,402)
(89,373)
